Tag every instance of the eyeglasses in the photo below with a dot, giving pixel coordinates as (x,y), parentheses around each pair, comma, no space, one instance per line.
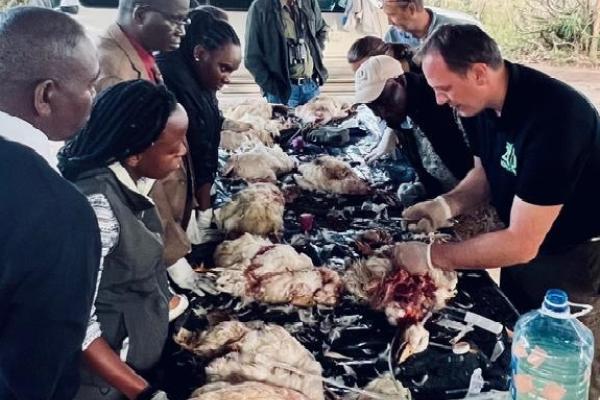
(177,20)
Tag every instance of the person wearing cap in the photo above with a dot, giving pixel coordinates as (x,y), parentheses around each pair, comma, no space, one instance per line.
(411,22)
(536,142)
(394,95)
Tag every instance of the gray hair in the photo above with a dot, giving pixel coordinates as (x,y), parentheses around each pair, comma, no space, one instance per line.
(36,44)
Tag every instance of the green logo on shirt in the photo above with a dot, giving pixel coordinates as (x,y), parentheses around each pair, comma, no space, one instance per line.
(509,159)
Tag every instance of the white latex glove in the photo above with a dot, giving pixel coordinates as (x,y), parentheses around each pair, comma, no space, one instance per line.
(186,278)
(152,394)
(160,395)
(387,144)
(414,257)
(430,215)
(199,230)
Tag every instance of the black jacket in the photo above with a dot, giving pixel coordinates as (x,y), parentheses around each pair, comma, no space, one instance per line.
(266,55)
(49,259)
(205,119)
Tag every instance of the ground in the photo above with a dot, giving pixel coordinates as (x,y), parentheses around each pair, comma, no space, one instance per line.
(587,81)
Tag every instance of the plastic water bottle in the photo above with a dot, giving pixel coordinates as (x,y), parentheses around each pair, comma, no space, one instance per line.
(552,352)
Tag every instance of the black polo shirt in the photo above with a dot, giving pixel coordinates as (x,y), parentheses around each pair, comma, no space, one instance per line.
(545,149)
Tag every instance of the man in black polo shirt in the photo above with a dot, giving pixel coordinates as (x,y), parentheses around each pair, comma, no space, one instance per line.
(49,240)
(537,158)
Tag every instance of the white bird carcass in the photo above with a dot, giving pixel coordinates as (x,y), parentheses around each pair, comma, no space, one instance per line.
(257,209)
(260,163)
(233,140)
(329,175)
(256,270)
(210,343)
(255,353)
(245,391)
(322,110)
(259,108)
(259,114)
(405,298)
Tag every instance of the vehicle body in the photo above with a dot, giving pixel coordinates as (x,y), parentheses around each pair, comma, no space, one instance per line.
(96,15)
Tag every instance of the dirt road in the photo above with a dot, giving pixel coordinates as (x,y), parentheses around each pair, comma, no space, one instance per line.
(587,81)
(341,83)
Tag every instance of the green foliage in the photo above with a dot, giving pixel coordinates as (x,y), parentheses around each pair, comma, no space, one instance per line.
(533,30)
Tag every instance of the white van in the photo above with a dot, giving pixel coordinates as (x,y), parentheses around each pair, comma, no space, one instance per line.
(96,15)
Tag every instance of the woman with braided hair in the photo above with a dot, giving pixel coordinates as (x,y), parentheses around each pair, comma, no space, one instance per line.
(135,134)
(209,53)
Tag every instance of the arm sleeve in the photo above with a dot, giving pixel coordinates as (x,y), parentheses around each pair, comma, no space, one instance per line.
(109,237)
(255,55)
(53,256)
(322,28)
(553,158)
(203,139)
(204,145)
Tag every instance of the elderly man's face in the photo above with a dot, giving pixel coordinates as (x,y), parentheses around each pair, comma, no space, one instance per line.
(164,24)
(391,104)
(72,100)
(466,94)
(400,14)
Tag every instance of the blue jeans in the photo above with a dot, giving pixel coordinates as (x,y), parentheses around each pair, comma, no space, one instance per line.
(301,94)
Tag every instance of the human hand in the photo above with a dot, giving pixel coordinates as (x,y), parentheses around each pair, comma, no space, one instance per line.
(430,215)
(414,257)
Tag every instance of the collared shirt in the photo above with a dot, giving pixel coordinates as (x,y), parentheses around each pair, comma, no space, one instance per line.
(438,16)
(22,132)
(299,70)
(545,149)
(146,57)
(109,237)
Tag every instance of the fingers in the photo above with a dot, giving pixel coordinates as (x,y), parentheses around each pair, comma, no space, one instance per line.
(415,212)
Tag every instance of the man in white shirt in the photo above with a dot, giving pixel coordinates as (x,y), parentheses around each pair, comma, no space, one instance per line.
(49,240)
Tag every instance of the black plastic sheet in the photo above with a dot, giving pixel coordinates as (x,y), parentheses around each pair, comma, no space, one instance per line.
(351,341)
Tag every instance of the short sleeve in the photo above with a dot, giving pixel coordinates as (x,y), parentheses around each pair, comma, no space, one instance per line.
(552,158)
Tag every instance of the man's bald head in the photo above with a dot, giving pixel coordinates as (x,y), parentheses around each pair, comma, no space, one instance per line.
(158,25)
(47,63)
(35,42)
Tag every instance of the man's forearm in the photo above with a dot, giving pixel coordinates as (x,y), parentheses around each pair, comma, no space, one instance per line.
(491,250)
(101,359)
(472,191)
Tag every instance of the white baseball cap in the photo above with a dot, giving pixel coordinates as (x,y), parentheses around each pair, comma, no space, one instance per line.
(372,75)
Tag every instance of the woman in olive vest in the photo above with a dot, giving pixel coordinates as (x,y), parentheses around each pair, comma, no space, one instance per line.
(135,135)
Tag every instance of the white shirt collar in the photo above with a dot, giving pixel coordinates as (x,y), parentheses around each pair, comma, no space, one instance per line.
(22,132)
(143,185)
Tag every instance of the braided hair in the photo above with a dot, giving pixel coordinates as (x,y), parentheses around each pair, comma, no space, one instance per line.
(207,31)
(125,120)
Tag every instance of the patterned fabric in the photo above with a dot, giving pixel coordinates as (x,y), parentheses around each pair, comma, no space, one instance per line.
(109,237)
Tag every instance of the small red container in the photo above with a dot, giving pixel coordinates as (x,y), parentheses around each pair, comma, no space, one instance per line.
(306,221)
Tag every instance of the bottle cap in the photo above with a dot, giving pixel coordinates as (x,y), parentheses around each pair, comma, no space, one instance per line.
(556,301)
